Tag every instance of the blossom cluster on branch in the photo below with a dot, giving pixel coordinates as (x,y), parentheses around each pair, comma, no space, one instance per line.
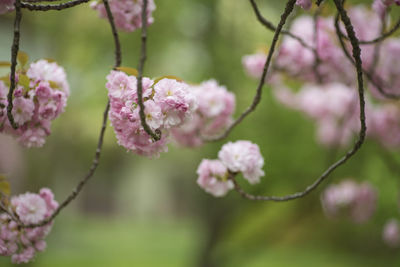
(23,243)
(40,97)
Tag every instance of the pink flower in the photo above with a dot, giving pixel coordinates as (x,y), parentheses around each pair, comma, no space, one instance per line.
(127,13)
(358,201)
(254,64)
(213,177)
(305,4)
(391,233)
(213,114)
(6,6)
(243,156)
(31,208)
(22,110)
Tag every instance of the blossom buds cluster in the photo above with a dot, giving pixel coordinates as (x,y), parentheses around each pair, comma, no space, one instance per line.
(22,243)
(213,115)
(40,96)
(168,104)
(127,13)
(239,157)
(357,201)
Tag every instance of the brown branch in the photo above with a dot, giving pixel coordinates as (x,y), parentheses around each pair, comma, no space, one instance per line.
(58,7)
(288,9)
(97,155)
(14,54)
(376,81)
(269,25)
(157,134)
(357,57)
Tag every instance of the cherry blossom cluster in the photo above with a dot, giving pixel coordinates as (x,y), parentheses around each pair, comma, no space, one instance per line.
(328,93)
(350,199)
(40,96)
(168,104)
(239,157)
(391,233)
(213,115)
(127,13)
(23,243)
(6,6)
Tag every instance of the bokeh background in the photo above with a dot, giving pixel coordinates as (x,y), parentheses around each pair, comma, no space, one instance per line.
(150,212)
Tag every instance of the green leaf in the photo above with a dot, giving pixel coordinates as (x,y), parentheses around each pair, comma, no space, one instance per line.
(22,58)
(167,77)
(5,64)
(130,71)
(4,186)
(23,80)
(54,85)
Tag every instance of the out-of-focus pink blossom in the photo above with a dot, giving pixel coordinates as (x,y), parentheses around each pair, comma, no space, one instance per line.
(391,233)
(23,243)
(6,6)
(305,4)
(213,114)
(357,201)
(245,157)
(213,177)
(127,13)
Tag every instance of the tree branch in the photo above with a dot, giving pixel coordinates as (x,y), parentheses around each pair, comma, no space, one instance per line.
(157,134)
(14,54)
(288,9)
(358,63)
(58,7)
(269,25)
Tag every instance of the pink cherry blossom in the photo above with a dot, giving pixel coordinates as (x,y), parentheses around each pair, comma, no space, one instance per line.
(6,6)
(245,157)
(213,177)
(212,116)
(22,110)
(23,243)
(356,201)
(127,13)
(391,233)
(305,4)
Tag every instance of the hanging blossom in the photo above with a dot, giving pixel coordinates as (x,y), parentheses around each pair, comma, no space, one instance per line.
(357,201)
(239,157)
(391,233)
(329,90)
(127,13)
(212,116)
(305,4)
(168,104)
(23,243)
(6,6)
(40,96)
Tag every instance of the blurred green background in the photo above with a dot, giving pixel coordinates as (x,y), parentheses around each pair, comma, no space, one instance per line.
(142,212)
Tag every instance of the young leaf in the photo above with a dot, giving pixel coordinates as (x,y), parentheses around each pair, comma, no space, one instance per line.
(22,58)
(129,71)
(167,77)
(23,80)
(4,186)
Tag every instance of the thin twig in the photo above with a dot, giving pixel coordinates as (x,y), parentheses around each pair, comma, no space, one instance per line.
(357,57)
(58,7)
(317,59)
(378,39)
(269,25)
(375,80)
(97,155)
(288,9)
(157,134)
(14,54)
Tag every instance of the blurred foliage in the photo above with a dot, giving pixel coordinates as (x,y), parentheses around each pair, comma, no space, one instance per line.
(143,212)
